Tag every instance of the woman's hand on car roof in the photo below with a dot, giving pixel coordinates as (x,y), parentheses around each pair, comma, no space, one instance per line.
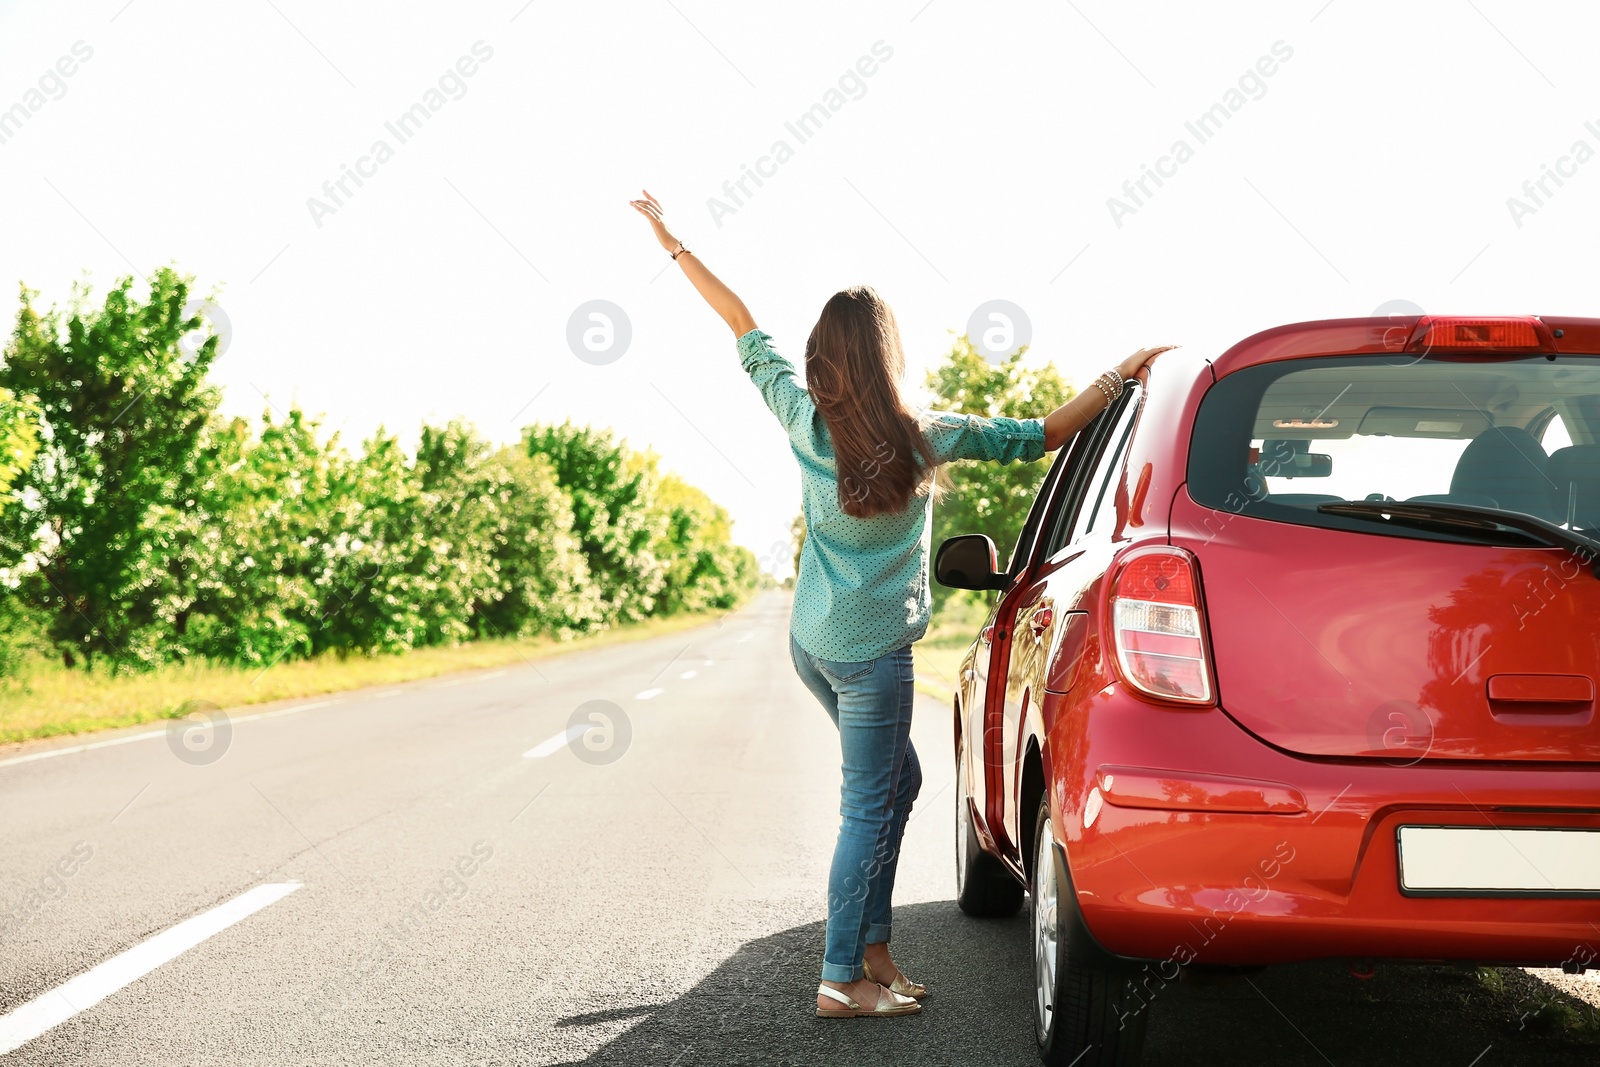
(1135,363)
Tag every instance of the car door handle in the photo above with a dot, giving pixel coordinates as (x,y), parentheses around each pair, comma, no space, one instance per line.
(1541,689)
(1541,699)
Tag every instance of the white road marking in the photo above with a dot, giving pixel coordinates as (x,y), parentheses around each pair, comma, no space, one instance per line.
(557,743)
(49,1010)
(747,635)
(686,675)
(466,678)
(83,748)
(648,694)
(286,711)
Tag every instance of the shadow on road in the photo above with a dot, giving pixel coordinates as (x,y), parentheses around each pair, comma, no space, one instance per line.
(755,1009)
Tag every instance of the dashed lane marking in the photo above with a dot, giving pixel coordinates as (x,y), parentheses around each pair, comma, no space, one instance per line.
(51,1009)
(552,745)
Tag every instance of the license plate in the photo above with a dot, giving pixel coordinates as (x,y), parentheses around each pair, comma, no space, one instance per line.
(1479,861)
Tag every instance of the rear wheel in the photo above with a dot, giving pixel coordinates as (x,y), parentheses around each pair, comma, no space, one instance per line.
(984,888)
(1086,1010)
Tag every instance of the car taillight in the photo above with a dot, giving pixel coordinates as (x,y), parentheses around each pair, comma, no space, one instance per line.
(1158,628)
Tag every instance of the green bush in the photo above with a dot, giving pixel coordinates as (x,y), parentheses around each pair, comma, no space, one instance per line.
(137,526)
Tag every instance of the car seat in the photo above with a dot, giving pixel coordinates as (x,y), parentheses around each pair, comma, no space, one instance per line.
(1575,472)
(1504,467)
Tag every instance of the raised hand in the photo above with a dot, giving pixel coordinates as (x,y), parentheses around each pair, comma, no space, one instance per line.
(722,299)
(651,209)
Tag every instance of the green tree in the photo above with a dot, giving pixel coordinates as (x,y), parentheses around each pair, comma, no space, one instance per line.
(502,527)
(544,577)
(376,572)
(453,565)
(989,498)
(256,552)
(123,410)
(304,549)
(19,440)
(705,569)
(612,514)
(138,526)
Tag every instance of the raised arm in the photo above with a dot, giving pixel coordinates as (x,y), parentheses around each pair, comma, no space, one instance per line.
(722,299)
(1065,421)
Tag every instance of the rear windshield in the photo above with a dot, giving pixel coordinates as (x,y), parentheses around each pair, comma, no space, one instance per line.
(1517,434)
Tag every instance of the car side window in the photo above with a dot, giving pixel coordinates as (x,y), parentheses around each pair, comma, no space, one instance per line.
(1104,510)
(1556,434)
(1081,493)
(1030,529)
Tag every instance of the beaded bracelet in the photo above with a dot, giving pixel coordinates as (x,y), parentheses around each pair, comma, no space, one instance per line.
(1110,385)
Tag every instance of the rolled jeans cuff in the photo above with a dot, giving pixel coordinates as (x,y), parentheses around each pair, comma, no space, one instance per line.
(878,933)
(840,972)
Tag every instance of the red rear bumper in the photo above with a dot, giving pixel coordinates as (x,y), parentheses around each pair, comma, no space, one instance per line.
(1298,860)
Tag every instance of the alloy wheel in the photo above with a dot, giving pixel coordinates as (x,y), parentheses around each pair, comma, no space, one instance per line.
(1046,932)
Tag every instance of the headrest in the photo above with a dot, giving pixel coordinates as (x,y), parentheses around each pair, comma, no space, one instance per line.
(1509,465)
(1575,470)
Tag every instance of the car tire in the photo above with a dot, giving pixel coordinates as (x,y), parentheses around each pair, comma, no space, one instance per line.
(1079,991)
(984,888)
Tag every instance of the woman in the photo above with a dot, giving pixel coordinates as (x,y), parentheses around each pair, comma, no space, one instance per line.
(862,598)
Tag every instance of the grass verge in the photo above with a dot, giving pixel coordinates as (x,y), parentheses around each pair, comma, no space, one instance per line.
(47,700)
(951,632)
(1546,1000)
(938,663)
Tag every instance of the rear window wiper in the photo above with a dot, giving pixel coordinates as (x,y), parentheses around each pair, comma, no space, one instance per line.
(1466,515)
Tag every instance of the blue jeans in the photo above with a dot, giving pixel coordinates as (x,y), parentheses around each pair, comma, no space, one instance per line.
(870,703)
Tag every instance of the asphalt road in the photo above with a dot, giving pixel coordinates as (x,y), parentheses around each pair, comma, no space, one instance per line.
(651,898)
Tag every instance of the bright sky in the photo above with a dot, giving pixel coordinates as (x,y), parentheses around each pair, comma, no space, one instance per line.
(1369,157)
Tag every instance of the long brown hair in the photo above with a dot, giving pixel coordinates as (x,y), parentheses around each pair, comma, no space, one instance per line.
(854,363)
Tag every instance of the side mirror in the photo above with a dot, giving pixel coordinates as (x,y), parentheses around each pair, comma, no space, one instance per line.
(968,562)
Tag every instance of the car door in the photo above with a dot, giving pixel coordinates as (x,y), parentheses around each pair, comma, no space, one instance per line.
(982,758)
(1041,616)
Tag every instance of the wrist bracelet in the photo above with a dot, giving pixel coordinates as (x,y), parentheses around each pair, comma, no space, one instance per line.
(1110,387)
(681,250)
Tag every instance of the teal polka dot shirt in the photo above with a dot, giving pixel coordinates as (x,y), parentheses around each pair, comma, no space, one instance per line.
(862,590)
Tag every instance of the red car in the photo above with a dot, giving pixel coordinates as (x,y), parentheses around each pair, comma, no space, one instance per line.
(1295,658)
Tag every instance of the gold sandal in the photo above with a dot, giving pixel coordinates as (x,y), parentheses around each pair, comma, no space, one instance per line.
(902,985)
(896,1005)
